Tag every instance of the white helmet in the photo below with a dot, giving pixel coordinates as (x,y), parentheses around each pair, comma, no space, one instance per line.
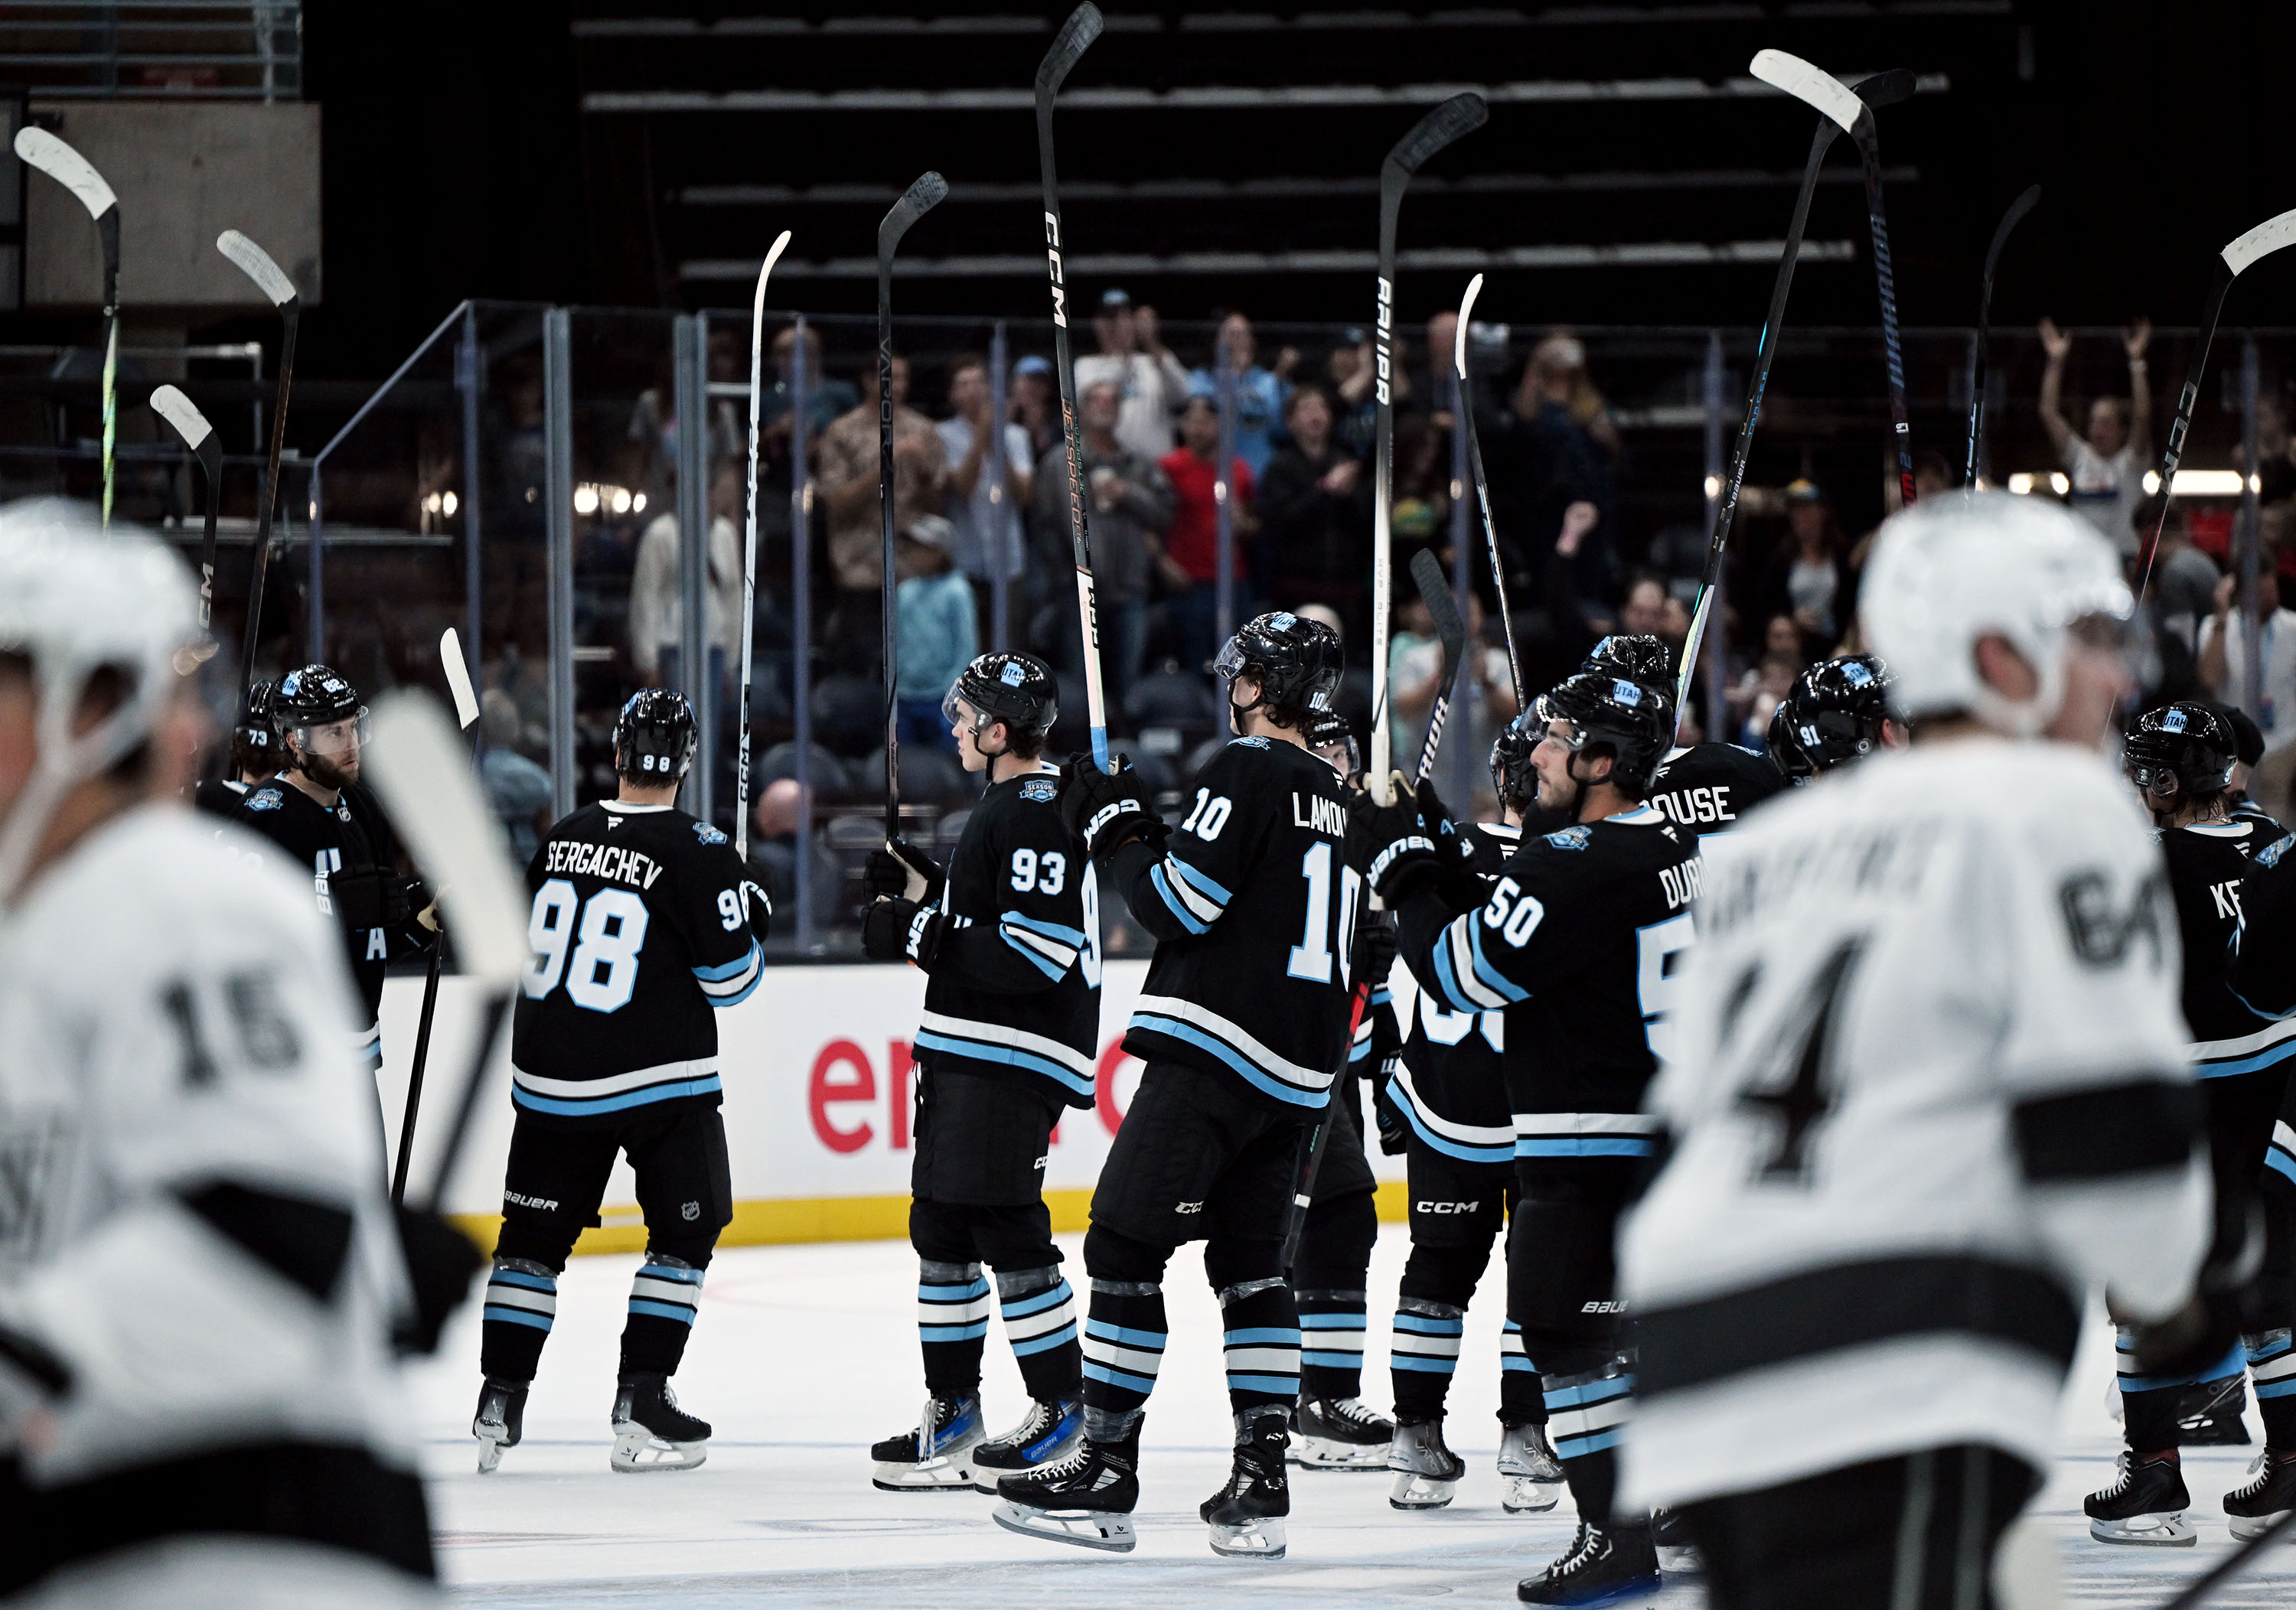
(74,599)
(1961,566)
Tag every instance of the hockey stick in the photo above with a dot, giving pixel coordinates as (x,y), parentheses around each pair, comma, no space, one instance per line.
(1462,114)
(1069,45)
(918,200)
(1882,89)
(2231,262)
(1435,592)
(1303,1196)
(189,423)
(42,149)
(423,773)
(749,547)
(466,712)
(2016,216)
(1483,492)
(255,264)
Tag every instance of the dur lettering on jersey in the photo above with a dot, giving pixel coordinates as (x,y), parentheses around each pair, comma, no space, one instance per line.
(1321,815)
(633,867)
(1681,884)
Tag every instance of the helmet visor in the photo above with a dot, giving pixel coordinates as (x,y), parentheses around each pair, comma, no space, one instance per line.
(957,713)
(332,737)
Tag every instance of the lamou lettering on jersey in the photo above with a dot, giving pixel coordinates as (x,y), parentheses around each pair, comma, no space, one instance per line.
(634,867)
(1320,816)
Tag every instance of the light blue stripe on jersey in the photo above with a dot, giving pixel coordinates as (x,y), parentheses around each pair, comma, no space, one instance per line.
(1197,881)
(1461,1149)
(1489,976)
(614,1104)
(2270,1056)
(662,1311)
(1071,937)
(516,1316)
(1164,887)
(1009,1055)
(1037,959)
(1234,1059)
(2281,1161)
(722,996)
(731,969)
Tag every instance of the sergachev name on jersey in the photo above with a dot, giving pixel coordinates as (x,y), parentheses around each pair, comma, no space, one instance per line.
(1870,858)
(634,867)
(1319,814)
(1694,807)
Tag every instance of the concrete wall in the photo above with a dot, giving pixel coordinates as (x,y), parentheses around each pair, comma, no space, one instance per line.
(184,173)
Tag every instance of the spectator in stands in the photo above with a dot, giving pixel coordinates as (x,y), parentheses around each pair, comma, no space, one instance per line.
(657,593)
(1259,393)
(2107,465)
(1564,448)
(1641,606)
(845,471)
(933,614)
(1190,565)
(1034,400)
(1315,512)
(773,851)
(1434,378)
(2232,634)
(1128,506)
(1781,640)
(1148,379)
(1808,576)
(1352,372)
(825,397)
(517,788)
(1419,514)
(985,499)
(2184,578)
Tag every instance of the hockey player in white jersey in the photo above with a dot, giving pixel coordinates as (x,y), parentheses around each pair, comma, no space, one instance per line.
(1928,1089)
(200,1277)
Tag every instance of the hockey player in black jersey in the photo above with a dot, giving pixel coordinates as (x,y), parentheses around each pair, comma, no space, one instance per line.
(252,756)
(1449,1096)
(2181,759)
(643,926)
(1577,942)
(1707,786)
(1241,1022)
(320,814)
(1837,711)
(1010,935)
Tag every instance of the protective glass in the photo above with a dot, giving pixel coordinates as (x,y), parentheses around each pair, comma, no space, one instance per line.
(333,737)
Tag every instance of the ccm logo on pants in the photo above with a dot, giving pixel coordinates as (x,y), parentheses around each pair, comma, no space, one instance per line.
(1445,1207)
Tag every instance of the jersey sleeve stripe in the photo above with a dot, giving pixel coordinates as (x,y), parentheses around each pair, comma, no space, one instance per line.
(1188,917)
(733,990)
(1198,881)
(1071,937)
(1490,978)
(1461,989)
(1051,967)
(731,969)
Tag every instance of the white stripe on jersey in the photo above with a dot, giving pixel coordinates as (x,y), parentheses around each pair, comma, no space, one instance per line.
(613,1085)
(1310,1079)
(1466,1134)
(2270,1034)
(1076,1061)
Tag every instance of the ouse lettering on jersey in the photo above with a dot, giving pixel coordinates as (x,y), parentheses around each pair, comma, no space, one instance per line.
(1709,787)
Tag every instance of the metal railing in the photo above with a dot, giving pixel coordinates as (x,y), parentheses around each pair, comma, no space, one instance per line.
(109,50)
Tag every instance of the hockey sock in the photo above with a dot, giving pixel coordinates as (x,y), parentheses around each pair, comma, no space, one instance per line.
(521,1301)
(1586,1414)
(2149,1403)
(1123,1349)
(1261,1335)
(1521,1402)
(1424,1355)
(1040,1322)
(662,1300)
(2272,1372)
(952,1319)
(1332,1324)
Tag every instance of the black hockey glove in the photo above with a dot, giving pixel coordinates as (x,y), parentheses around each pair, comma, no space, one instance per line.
(1393,1137)
(1458,883)
(1379,941)
(901,930)
(1107,809)
(902,872)
(440,1261)
(1390,844)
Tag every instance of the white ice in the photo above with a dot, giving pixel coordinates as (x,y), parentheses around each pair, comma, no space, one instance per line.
(804,1355)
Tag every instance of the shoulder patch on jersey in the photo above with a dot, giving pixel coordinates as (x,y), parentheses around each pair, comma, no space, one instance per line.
(265,799)
(1039,788)
(708,834)
(1253,742)
(2270,854)
(1570,839)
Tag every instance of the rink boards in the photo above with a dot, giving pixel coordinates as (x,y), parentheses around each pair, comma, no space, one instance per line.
(817,1079)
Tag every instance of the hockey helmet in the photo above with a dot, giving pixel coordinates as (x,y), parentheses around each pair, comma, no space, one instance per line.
(655,737)
(312,698)
(1015,688)
(1296,659)
(254,740)
(1639,658)
(1331,736)
(1834,712)
(2181,749)
(1634,722)
(1513,778)
(1950,571)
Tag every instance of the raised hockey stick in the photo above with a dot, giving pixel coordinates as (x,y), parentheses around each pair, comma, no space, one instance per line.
(42,149)
(2016,216)
(255,264)
(1483,491)
(1882,89)
(1069,45)
(1435,592)
(189,423)
(921,198)
(2231,262)
(1462,114)
(749,547)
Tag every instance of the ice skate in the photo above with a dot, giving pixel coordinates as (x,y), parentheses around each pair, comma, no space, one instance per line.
(1530,1478)
(1676,1554)
(1600,1567)
(1048,1434)
(1247,1514)
(1086,1498)
(1426,1472)
(938,1456)
(2144,1504)
(650,1431)
(2270,1493)
(1339,1434)
(499,1421)
(2209,1415)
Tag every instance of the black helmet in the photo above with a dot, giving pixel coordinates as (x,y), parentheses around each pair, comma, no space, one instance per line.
(655,737)
(1330,730)
(254,741)
(1512,777)
(2248,738)
(1635,722)
(313,697)
(1015,688)
(2184,748)
(1296,659)
(1643,660)
(1834,712)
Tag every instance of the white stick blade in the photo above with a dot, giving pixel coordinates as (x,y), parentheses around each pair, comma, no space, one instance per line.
(2261,241)
(757,306)
(173,407)
(66,168)
(255,264)
(458,678)
(1466,312)
(1806,83)
(423,774)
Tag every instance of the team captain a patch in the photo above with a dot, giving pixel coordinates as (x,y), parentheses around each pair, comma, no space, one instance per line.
(1039,788)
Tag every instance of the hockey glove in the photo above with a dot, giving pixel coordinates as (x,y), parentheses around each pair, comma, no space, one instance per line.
(1107,809)
(1379,942)
(1460,890)
(1393,1137)
(902,872)
(901,930)
(1389,843)
(440,1261)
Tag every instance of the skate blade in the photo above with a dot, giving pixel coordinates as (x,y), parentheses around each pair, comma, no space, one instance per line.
(1681,1560)
(490,1452)
(1087,1529)
(638,1451)
(1329,1453)
(1631,1589)
(1416,1492)
(1256,1540)
(933,1476)
(1528,1495)
(2167,1531)
(2248,1528)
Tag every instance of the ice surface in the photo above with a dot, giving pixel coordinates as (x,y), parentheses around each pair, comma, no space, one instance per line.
(804,1355)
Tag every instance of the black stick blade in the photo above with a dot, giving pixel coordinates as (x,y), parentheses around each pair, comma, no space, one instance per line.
(1435,592)
(1462,114)
(1068,46)
(1885,89)
(2016,216)
(920,198)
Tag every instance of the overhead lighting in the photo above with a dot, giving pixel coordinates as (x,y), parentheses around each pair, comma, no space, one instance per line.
(1713,487)
(2021,484)
(2059,483)
(637,504)
(448,502)
(586,500)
